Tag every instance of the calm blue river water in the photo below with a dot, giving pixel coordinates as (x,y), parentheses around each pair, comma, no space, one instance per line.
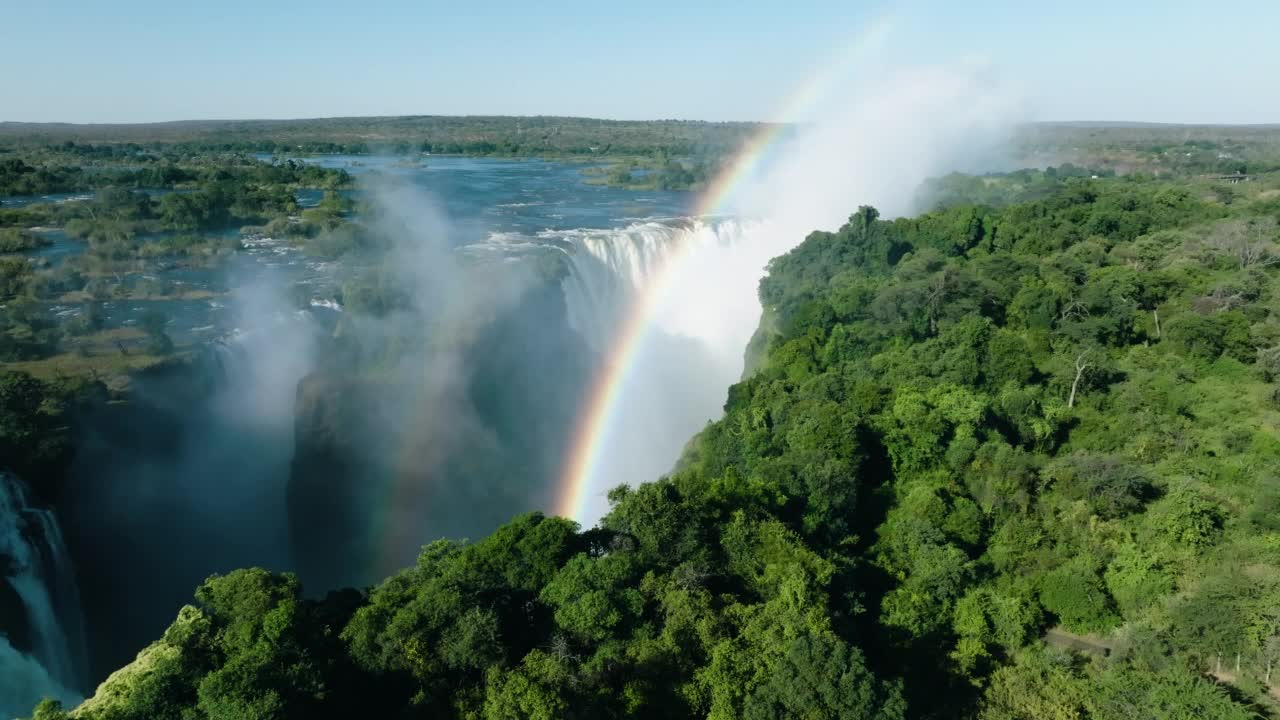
(476,197)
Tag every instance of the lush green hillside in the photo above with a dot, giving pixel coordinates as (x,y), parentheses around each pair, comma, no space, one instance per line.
(975,438)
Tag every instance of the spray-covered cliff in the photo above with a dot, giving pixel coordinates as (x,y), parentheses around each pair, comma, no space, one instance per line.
(445,440)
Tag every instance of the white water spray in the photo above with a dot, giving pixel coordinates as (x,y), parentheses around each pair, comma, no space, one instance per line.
(38,570)
(610,272)
(871,146)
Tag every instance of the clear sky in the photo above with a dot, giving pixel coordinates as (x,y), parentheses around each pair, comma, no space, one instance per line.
(145,60)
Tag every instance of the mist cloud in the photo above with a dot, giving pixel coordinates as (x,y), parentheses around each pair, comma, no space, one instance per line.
(879,134)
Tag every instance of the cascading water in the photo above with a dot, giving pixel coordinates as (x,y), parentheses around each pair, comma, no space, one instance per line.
(608,269)
(611,269)
(699,321)
(36,568)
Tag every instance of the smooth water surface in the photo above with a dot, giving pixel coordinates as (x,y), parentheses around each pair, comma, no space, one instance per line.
(477,199)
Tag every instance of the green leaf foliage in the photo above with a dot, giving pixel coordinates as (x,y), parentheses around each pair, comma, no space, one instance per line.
(963,430)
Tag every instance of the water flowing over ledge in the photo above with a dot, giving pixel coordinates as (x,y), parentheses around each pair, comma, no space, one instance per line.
(37,570)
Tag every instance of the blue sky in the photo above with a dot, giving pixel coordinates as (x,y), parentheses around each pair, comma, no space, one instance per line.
(144,60)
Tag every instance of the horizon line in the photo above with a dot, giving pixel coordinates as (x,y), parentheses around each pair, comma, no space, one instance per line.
(330,118)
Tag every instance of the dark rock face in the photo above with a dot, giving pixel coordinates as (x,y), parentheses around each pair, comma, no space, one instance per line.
(13,614)
(175,484)
(339,469)
(167,488)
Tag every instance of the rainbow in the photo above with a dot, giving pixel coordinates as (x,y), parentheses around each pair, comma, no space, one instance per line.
(579,481)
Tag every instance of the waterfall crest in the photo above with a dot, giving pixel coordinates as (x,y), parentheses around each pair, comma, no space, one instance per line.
(35,567)
(610,269)
(697,324)
(607,270)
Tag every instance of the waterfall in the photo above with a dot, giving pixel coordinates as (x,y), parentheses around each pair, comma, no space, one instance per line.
(704,298)
(35,567)
(607,269)
(698,325)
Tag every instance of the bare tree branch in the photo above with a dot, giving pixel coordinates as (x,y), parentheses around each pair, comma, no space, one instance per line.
(1081,367)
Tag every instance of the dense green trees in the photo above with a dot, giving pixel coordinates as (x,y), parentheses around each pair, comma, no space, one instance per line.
(36,426)
(13,240)
(1069,398)
(972,438)
(48,168)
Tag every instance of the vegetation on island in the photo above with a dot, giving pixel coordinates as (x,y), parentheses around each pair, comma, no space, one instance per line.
(1010,458)
(134,210)
(69,167)
(659,173)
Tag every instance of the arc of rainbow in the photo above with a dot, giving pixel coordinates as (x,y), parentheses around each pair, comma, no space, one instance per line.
(601,409)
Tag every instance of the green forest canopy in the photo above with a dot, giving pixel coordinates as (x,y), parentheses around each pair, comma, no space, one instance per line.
(967,432)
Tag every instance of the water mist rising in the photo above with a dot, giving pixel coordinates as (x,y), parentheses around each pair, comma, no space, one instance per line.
(441,415)
(609,272)
(188,477)
(873,146)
